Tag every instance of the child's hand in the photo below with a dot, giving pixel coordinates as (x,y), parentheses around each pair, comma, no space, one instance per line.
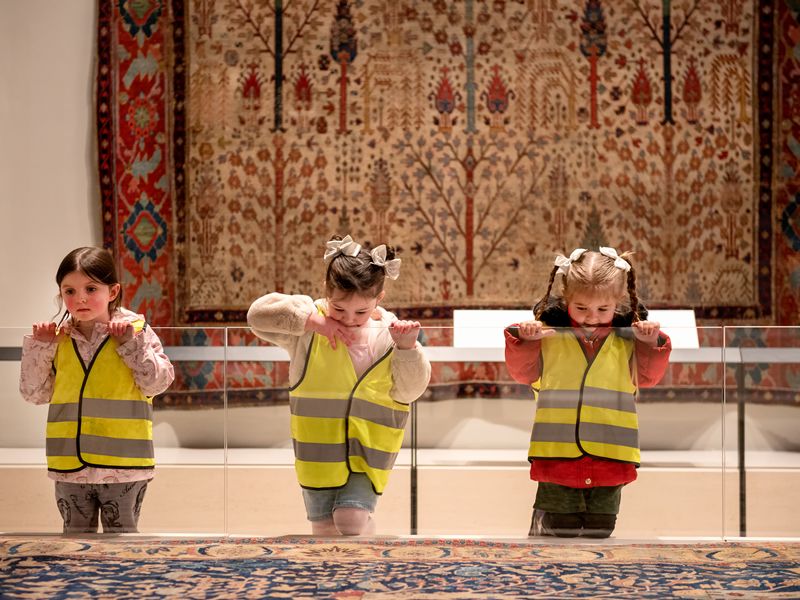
(647,331)
(404,333)
(49,332)
(534,330)
(120,330)
(330,328)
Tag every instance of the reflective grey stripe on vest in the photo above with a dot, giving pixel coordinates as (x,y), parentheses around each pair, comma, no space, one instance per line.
(382,415)
(608,434)
(93,444)
(311,452)
(591,397)
(589,432)
(601,398)
(333,409)
(101,408)
(553,432)
(61,447)
(377,459)
(558,398)
(58,413)
(116,409)
(318,407)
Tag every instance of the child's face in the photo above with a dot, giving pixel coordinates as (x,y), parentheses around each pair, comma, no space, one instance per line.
(86,299)
(351,310)
(591,311)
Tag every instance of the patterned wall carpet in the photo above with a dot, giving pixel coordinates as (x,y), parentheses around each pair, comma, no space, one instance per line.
(391,568)
(478,136)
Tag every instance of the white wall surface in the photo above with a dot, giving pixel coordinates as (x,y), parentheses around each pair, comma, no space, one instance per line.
(48,190)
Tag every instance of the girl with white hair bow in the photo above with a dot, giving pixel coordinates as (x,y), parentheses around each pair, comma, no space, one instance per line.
(586,354)
(354,370)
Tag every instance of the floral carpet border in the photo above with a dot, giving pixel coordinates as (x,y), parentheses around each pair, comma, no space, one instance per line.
(303,548)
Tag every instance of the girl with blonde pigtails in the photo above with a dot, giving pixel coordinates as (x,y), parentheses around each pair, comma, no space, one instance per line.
(354,370)
(586,354)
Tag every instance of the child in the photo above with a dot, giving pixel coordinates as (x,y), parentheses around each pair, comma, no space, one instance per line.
(354,369)
(584,446)
(98,368)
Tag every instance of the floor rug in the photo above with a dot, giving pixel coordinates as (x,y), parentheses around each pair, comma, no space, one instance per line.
(304,567)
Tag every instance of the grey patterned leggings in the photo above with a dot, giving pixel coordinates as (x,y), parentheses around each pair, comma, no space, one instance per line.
(118,504)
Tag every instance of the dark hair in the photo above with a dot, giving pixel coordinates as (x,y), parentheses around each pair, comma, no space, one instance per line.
(97,264)
(356,274)
(595,273)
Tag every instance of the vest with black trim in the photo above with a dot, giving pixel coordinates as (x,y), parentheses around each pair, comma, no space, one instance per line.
(98,417)
(341,423)
(585,408)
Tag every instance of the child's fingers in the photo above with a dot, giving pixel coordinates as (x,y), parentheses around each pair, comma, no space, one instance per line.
(120,329)
(345,335)
(401,326)
(643,326)
(44,331)
(534,330)
(646,330)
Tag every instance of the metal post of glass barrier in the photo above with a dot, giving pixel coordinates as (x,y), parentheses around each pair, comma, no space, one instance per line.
(413,473)
(740,398)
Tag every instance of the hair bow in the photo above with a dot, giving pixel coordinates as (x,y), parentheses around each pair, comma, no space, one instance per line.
(346,246)
(391,267)
(563,263)
(619,262)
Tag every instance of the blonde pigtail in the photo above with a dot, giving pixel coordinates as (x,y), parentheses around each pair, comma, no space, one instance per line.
(631,281)
(539,308)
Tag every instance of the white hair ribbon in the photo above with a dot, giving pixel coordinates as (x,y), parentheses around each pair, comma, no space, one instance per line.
(391,267)
(346,246)
(619,262)
(563,263)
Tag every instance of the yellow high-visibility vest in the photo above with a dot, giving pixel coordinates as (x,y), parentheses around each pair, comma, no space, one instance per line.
(98,417)
(341,423)
(585,408)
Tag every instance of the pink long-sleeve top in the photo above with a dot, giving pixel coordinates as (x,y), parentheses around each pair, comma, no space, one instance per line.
(143,354)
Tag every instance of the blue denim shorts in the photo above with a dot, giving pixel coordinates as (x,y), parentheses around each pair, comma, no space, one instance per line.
(356,493)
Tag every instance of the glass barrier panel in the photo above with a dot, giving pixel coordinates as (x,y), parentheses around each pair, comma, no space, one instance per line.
(474,426)
(187,494)
(225,458)
(762,389)
(27,504)
(264,496)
